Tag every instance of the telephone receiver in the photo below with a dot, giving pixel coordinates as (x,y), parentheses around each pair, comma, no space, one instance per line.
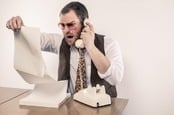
(79,42)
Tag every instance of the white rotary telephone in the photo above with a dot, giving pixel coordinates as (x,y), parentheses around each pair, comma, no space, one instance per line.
(93,96)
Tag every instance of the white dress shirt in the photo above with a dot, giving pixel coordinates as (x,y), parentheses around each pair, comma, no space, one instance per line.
(113,75)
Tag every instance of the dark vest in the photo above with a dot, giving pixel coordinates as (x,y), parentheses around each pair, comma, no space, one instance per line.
(64,66)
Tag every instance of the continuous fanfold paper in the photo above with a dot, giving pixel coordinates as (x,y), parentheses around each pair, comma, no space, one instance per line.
(28,58)
(29,63)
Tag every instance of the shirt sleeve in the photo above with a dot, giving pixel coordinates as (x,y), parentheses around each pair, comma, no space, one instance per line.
(50,42)
(114,74)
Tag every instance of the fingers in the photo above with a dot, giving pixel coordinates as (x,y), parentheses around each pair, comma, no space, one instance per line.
(87,33)
(88,30)
(19,23)
(15,23)
(89,25)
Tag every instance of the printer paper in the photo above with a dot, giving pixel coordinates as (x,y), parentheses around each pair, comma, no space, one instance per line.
(28,58)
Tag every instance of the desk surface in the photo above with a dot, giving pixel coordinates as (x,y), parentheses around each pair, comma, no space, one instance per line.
(7,94)
(70,107)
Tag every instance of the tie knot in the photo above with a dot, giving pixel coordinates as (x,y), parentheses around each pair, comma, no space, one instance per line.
(82,51)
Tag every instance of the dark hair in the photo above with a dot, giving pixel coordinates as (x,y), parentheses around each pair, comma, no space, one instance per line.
(80,10)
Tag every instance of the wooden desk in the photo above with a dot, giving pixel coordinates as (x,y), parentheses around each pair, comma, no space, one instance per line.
(7,94)
(70,107)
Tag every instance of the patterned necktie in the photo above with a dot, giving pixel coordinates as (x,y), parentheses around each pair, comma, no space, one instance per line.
(81,72)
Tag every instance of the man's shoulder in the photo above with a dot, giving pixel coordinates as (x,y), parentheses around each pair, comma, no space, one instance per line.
(104,37)
(99,35)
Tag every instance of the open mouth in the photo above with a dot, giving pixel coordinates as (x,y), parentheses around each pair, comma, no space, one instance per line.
(70,37)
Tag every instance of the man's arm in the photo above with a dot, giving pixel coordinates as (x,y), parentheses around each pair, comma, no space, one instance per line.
(110,66)
(51,42)
(101,62)
(114,74)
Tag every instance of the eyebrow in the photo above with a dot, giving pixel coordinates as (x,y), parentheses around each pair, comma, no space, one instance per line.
(66,23)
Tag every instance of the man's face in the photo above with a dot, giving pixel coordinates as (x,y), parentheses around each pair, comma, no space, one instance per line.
(71,27)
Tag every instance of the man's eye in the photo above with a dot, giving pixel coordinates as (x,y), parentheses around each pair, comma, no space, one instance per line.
(70,24)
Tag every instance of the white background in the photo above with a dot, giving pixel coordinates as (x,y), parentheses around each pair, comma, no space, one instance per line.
(143,28)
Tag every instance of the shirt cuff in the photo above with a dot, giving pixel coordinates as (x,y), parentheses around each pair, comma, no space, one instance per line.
(107,73)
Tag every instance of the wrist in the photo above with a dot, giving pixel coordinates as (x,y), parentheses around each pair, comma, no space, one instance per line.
(90,47)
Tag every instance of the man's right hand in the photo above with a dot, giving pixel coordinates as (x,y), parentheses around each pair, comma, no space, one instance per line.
(15,23)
